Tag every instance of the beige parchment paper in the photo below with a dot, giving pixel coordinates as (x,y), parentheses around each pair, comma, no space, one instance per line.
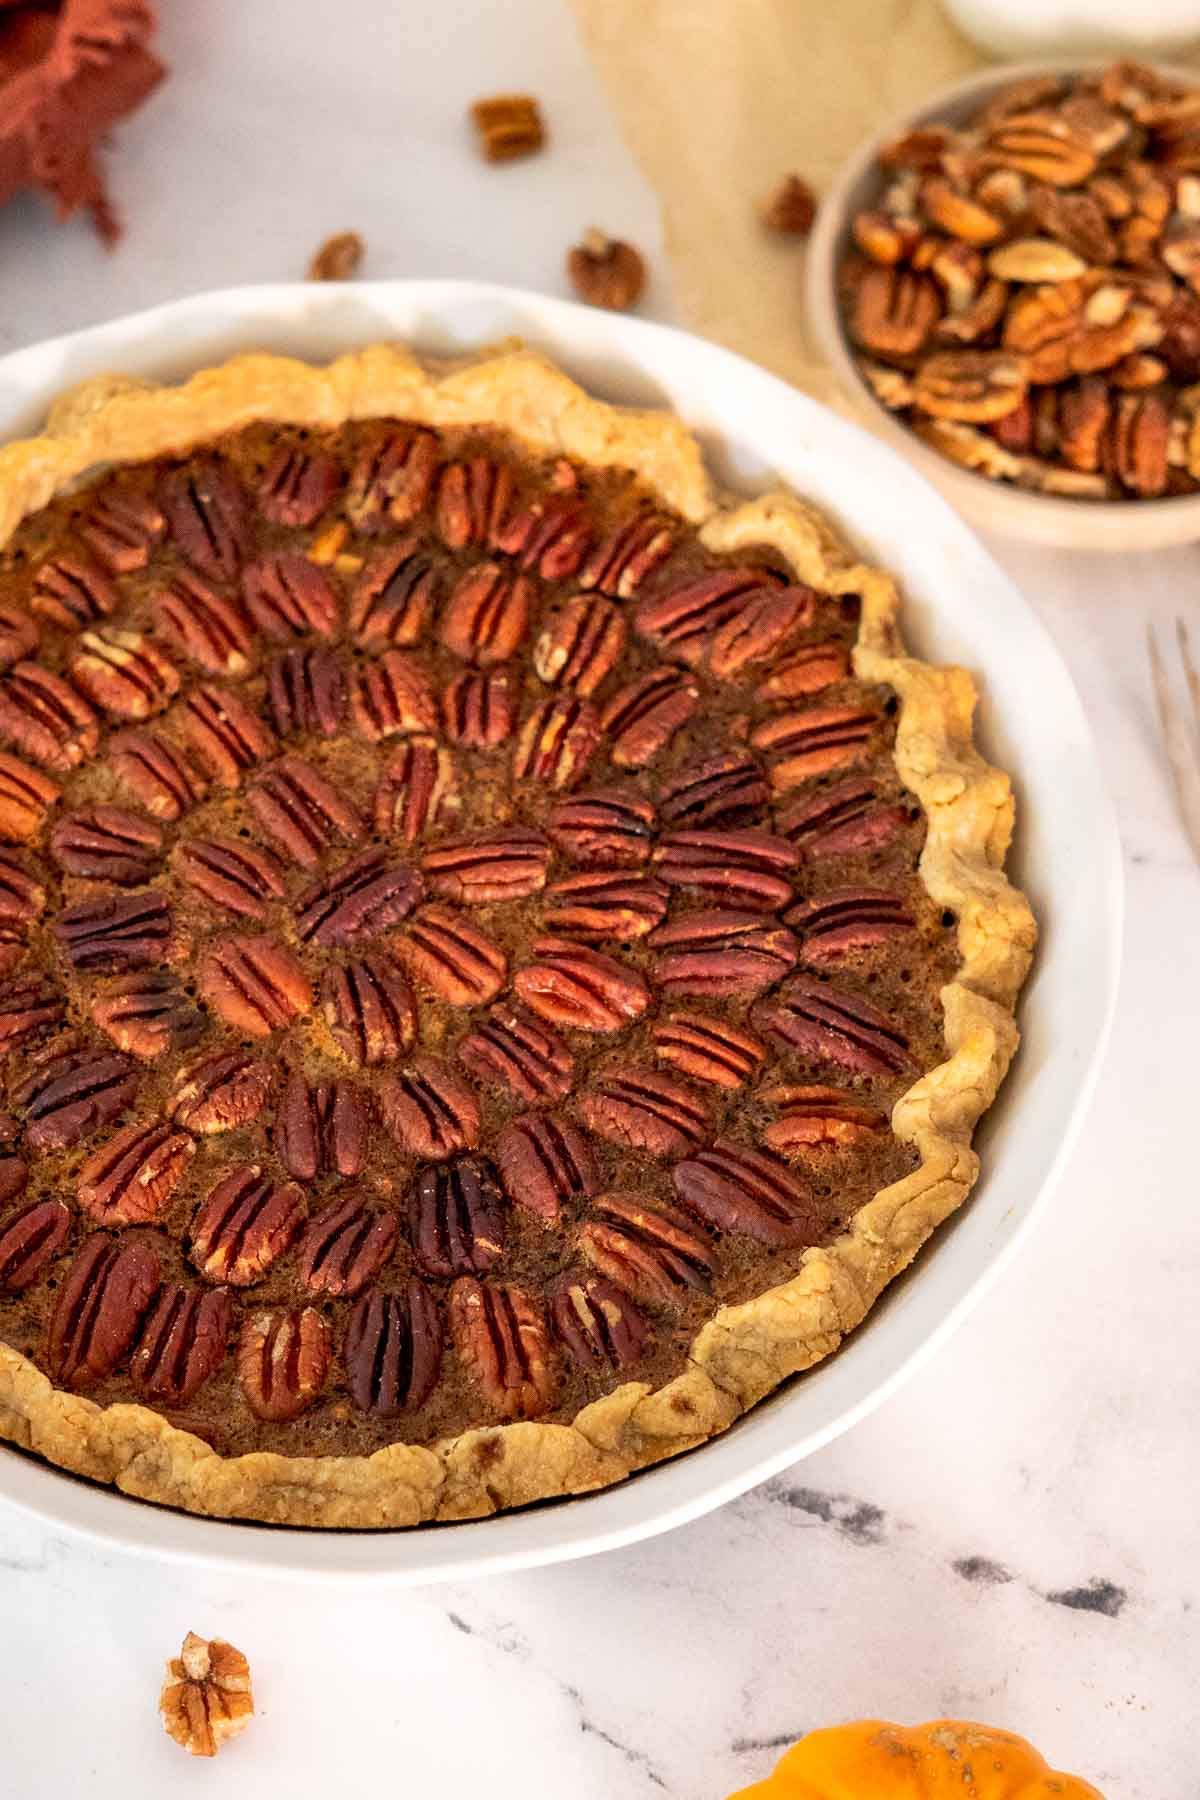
(718,99)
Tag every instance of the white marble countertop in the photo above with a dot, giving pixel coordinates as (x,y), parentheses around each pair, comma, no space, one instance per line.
(1014,1535)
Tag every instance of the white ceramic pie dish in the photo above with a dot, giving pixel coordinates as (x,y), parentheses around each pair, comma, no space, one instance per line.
(959,606)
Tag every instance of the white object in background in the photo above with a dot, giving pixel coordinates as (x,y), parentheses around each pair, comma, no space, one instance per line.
(1018,28)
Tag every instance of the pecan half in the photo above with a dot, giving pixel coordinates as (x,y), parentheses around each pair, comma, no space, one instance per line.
(844,920)
(707,1049)
(456,1218)
(230,873)
(643,716)
(302,811)
(394,596)
(1077,220)
(721,952)
(26,797)
(684,620)
(479,708)
(297,485)
(809,671)
(392,695)
(70,590)
(392,478)
(246,1224)
(550,535)
(501,1338)
(416,790)
(632,550)
(487,615)
(220,1091)
(489,866)
(763,625)
(393,1350)
(829,1025)
(734,1188)
(958,213)
(557,742)
(545,1163)
(156,773)
(28,1240)
(818,1118)
(107,844)
(613,908)
(509,125)
(975,385)
(511,1049)
(599,1325)
(430,1111)
(580,644)
(748,869)
(288,597)
(183,1342)
(19,635)
(814,742)
(654,1253)
(147,1014)
(209,627)
(573,985)
(720,790)
(363,898)
(894,310)
(22,896)
(473,500)
(206,1698)
(345,1247)
(846,820)
(254,984)
(100,1308)
(27,1009)
(604,828)
(1040,144)
(116,932)
(306,691)
(283,1360)
(208,516)
(225,733)
(640,1110)
(124,673)
(129,1180)
(606,271)
(448,956)
(1138,443)
(322,1128)
(121,527)
(369,1009)
(46,718)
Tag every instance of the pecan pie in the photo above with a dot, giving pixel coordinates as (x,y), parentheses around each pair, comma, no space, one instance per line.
(502,954)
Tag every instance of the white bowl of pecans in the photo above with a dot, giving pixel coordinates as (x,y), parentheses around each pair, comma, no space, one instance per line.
(1008,283)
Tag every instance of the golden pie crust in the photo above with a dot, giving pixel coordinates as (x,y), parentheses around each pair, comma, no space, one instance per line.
(746,1350)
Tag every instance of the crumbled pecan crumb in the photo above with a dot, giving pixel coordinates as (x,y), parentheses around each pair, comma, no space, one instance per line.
(606,272)
(792,208)
(338,257)
(509,125)
(206,1697)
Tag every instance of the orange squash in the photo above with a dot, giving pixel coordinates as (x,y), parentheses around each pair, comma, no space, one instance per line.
(948,1759)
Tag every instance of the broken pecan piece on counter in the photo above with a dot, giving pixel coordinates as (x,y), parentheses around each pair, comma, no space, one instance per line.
(508,125)
(606,271)
(207,1697)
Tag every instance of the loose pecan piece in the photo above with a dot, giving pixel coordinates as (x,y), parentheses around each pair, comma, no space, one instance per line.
(19,635)
(1075,219)
(604,828)
(129,1180)
(792,207)
(124,673)
(546,1162)
(501,1338)
(829,1025)
(509,125)
(848,819)
(70,590)
(448,956)
(206,1697)
(721,953)
(26,796)
(511,1049)
(147,1014)
(734,1188)
(487,615)
(654,1253)
(107,844)
(46,718)
(302,811)
(429,1110)
(156,773)
(844,920)
(345,1247)
(338,258)
(322,1129)
(394,596)
(748,869)
(631,551)
(183,1342)
(640,1110)
(573,985)
(246,1224)
(283,1359)
(392,478)
(100,1308)
(456,1218)
(600,1326)
(208,515)
(1041,144)
(684,620)
(479,708)
(287,597)
(814,742)
(390,696)
(958,213)
(818,1118)
(297,485)
(27,1009)
(416,789)
(359,900)
(220,1091)
(306,691)
(115,932)
(808,671)
(764,624)
(643,717)
(230,873)
(707,1049)
(209,627)
(121,527)
(720,790)
(254,984)
(369,1009)
(975,385)
(556,742)
(1138,443)
(491,866)
(613,908)
(28,1240)
(606,271)
(225,733)
(393,1350)
(580,644)
(894,310)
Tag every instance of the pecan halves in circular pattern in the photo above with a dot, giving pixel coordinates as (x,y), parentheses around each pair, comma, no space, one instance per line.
(220,1091)
(642,717)
(546,1162)
(600,1326)
(487,615)
(430,1111)
(254,984)
(297,485)
(815,741)
(306,693)
(556,742)
(604,828)
(322,1128)
(107,844)
(479,708)
(748,869)
(639,1110)
(28,1240)
(818,1119)
(73,1089)
(208,515)
(392,477)
(654,1253)
(209,627)
(245,1225)
(809,670)
(456,1218)
(894,310)
(632,550)
(501,1337)
(345,1247)
(301,811)
(721,952)
(100,1309)
(283,1359)
(116,932)
(416,791)
(124,673)
(363,898)
(575,986)
(71,590)
(26,797)
(977,386)
(684,620)
(765,622)
(473,500)
(157,773)
(830,1025)
(580,644)
(708,1049)
(488,866)
(229,873)
(46,718)
(393,1350)
(513,1050)
(394,596)
(183,1342)
(129,1180)
(734,1188)
(225,733)
(844,920)
(448,956)
(848,819)
(369,1009)
(287,596)
(146,1014)
(607,906)
(391,696)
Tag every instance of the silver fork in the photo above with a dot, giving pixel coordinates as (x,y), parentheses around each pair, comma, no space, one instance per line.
(1181,736)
